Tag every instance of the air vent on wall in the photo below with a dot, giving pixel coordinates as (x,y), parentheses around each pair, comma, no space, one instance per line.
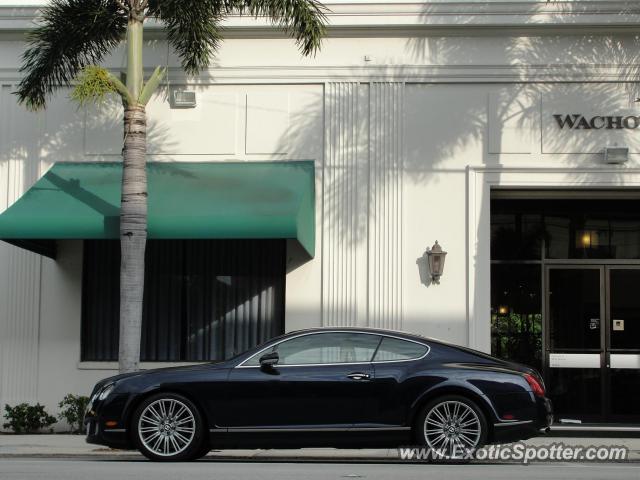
(616,155)
(183,99)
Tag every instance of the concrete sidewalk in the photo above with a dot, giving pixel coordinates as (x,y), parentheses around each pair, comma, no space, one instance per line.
(75,446)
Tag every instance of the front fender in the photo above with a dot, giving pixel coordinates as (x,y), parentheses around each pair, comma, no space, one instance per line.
(205,388)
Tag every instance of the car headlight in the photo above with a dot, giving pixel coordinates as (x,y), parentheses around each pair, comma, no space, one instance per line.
(92,400)
(104,393)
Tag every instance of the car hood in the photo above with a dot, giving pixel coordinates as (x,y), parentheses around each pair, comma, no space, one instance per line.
(154,371)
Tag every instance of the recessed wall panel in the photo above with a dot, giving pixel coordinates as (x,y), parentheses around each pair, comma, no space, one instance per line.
(584,119)
(267,123)
(510,118)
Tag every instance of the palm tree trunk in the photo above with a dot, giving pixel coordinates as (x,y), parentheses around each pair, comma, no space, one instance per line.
(133,236)
(133,213)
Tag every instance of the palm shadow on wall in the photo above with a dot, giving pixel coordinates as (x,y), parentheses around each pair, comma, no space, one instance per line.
(448,136)
(43,140)
(511,103)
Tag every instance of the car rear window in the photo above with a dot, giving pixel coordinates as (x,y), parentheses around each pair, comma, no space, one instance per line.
(396,349)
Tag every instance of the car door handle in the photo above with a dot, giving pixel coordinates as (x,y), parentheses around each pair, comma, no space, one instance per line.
(359,376)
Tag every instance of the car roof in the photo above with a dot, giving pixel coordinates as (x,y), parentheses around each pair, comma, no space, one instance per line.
(242,357)
(375,331)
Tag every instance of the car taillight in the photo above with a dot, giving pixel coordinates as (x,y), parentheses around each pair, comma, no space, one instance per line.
(534,383)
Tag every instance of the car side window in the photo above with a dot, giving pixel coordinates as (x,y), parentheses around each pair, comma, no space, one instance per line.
(323,348)
(397,349)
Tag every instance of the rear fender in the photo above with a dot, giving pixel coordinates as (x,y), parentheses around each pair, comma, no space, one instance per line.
(463,389)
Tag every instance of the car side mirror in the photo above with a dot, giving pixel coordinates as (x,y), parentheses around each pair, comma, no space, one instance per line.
(269,359)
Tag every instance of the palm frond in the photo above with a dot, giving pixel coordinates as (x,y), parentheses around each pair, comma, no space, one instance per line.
(304,20)
(193,26)
(71,35)
(192,29)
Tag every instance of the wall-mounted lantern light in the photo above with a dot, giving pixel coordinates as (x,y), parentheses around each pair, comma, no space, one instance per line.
(436,261)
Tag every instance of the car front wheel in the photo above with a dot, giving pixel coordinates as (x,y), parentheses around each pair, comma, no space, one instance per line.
(168,427)
(452,427)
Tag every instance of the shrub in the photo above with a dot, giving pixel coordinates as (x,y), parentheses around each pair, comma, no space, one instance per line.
(25,418)
(73,408)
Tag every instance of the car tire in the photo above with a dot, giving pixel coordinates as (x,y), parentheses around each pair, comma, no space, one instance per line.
(452,427)
(168,427)
(204,450)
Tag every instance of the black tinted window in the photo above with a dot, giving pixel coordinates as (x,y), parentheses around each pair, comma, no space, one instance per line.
(396,349)
(568,228)
(204,299)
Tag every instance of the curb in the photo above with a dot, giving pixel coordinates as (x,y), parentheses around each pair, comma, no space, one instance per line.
(315,460)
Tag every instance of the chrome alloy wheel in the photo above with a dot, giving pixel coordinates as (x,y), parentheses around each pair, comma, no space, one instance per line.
(452,429)
(167,427)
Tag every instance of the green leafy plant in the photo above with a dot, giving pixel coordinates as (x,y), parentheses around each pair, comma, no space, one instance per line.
(73,408)
(25,418)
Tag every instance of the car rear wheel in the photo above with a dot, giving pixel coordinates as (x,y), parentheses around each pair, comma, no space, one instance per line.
(168,427)
(452,427)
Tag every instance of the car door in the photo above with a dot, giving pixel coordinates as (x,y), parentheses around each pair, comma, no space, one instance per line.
(401,375)
(321,380)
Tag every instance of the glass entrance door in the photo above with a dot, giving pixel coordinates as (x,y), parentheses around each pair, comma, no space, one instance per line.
(593,342)
(622,360)
(575,341)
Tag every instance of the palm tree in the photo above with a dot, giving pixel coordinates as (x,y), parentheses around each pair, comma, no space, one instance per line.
(65,49)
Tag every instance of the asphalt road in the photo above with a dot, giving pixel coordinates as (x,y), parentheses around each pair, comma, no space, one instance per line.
(103,469)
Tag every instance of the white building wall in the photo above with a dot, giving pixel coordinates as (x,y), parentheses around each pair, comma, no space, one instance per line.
(409,133)
(20,270)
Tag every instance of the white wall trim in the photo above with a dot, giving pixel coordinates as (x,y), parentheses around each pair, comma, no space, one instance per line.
(454,15)
(480,181)
(462,74)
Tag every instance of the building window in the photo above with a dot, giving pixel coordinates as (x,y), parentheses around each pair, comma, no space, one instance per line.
(204,299)
(528,235)
(516,313)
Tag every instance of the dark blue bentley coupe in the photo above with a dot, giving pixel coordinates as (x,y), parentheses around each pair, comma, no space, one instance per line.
(329,387)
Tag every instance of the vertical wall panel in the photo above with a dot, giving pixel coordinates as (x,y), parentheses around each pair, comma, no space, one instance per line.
(362,205)
(385,205)
(20,270)
(344,206)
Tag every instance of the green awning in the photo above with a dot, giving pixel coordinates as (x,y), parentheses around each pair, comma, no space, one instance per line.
(220,200)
